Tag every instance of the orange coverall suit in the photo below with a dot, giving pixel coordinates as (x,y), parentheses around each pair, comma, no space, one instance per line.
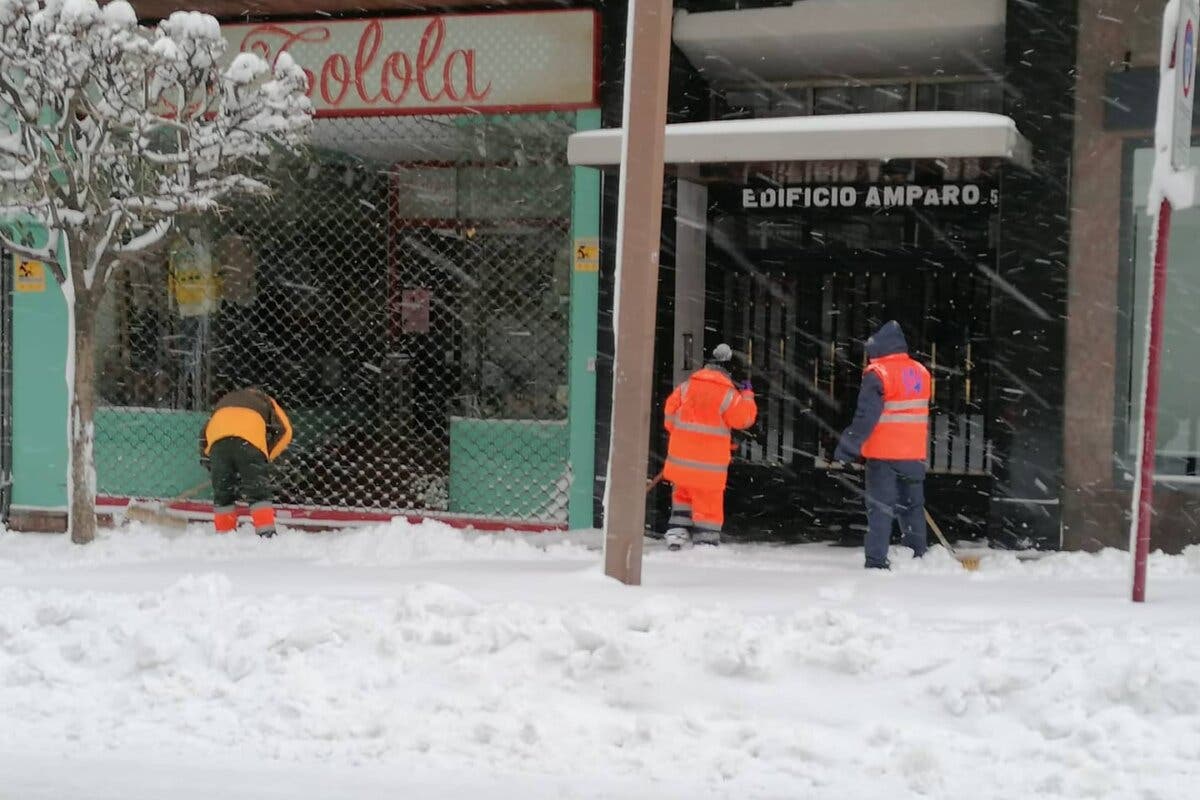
(700,414)
(247,430)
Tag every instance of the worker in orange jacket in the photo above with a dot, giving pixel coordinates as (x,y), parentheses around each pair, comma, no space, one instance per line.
(700,414)
(246,431)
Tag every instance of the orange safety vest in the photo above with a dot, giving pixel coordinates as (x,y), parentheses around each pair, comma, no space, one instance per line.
(700,414)
(902,433)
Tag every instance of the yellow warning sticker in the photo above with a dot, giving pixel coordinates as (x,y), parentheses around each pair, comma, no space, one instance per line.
(587,255)
(29,276)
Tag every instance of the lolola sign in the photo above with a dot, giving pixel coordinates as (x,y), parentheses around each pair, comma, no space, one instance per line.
(518,61)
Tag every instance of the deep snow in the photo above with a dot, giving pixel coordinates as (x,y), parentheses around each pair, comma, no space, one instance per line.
(417,661)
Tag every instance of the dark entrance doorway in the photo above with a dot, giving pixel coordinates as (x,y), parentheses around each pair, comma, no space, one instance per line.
(797,290)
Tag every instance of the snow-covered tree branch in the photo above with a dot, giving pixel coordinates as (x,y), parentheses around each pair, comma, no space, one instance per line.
(108,132)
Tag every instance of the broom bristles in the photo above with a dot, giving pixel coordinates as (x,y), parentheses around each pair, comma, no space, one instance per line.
(154,516)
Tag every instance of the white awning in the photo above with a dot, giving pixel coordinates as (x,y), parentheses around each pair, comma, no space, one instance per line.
(841,137)
(839,39)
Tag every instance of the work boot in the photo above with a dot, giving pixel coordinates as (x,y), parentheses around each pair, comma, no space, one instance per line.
(885,565)
(676,538)
(266,533)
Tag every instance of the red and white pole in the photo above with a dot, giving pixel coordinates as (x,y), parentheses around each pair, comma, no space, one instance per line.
(1144,485)
(1172,187)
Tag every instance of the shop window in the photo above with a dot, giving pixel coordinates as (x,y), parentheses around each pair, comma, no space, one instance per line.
(783,101)
(966,96)
(790,103)
(861,99)
(408,279)
(745,103)
(1178,409)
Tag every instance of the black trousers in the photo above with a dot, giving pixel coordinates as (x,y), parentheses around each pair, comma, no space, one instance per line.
(238,467)
(895,493)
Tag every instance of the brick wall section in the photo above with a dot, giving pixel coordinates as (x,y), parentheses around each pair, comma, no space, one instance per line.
(1111,34)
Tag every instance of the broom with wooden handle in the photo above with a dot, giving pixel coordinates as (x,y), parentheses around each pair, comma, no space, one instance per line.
(157,513)
(970,563)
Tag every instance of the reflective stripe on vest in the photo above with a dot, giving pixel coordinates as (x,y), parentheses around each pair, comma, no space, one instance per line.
(696,427)
(905,405)
(730,396)
(697,465)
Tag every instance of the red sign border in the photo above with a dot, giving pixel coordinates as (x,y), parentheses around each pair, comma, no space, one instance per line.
(1189,70)
(535,108)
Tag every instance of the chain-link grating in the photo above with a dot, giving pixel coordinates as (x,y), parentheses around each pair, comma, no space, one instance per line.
(404,294)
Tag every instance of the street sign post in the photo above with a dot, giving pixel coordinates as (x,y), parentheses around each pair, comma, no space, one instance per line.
(1173,186)
(639,226)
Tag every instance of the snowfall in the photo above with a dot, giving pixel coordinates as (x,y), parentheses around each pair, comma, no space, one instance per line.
(418,661)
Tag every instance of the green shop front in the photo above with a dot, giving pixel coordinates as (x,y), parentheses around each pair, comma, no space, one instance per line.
(419,292)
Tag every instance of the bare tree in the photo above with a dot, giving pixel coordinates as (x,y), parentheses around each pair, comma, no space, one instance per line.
(110,130)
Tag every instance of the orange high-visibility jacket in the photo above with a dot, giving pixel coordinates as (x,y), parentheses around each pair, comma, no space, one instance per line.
(902,433)
(700,414)
(252,415)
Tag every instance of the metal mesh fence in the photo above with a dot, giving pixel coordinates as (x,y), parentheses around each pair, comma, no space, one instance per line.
(404,294)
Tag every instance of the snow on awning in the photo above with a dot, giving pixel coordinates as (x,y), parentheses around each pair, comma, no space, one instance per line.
(835,137)
(836,39)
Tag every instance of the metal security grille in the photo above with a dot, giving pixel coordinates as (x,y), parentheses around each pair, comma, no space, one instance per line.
(404,294)
(805,334)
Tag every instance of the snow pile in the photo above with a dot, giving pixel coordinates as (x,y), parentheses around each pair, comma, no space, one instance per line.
(397,542)
(512,662)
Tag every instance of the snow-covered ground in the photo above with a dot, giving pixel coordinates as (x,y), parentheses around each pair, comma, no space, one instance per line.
(421,663)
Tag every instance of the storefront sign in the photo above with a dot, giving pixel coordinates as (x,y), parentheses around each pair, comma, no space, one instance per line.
(954,195)
(29,276)
(517,61)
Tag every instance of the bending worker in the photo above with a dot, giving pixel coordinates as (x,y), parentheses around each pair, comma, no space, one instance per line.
(891,431)
(246,431)
(700,414)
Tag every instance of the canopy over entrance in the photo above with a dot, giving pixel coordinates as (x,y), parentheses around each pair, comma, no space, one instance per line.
(836,39)
(835,137)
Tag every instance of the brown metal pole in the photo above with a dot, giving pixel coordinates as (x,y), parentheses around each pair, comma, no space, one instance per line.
(639,224)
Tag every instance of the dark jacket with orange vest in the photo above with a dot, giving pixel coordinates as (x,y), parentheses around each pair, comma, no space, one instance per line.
(252,415)
(891,421)
(700,414)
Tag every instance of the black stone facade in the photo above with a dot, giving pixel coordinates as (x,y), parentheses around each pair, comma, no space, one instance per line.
(1030,301)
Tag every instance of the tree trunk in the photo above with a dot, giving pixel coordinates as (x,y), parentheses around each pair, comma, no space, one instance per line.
(81,489)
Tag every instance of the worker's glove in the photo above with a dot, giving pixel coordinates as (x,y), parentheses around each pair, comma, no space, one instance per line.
(206,462)
(745,386)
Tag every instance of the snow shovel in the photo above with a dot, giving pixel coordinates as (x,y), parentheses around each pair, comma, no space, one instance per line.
(157,513)
(970,563)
